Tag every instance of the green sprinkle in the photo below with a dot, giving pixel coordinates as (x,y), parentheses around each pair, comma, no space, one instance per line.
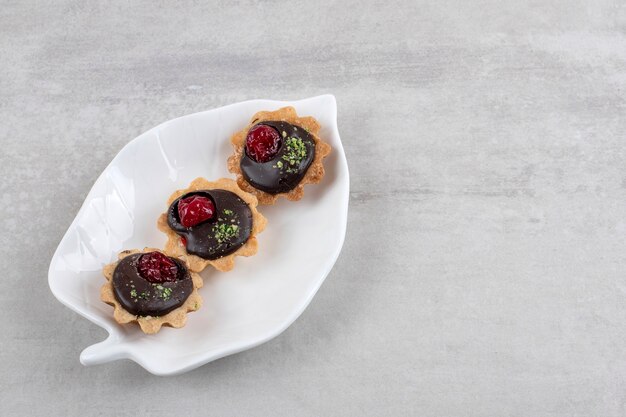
(279,164)
(224,232)
(161,292)
(284,134)
(133,293)
(296,151)
(167,293)
(228,212)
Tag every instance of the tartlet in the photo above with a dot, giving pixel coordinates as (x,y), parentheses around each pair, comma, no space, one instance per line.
(150,288)
(223,222)
(277,154)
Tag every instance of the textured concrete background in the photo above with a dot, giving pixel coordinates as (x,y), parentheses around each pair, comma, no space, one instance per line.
(484,270)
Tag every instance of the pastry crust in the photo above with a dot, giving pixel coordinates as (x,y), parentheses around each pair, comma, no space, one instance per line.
(174,246)
(314,173)
(149,325)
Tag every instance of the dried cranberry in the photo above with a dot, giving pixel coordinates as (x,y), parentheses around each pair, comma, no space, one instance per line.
(156,267)
(262,143)
(195,209)
(183,240)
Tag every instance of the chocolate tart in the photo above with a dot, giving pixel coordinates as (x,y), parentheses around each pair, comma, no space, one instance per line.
(295,162)
(230,232)
(150,304)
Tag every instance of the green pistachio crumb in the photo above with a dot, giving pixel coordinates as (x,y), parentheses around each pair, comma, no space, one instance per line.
(224,232)
(167,293)
(296,151)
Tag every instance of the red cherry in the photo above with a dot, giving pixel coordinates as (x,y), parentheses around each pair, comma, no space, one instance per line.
(156,267)
(262,143)
(195,209)
(183,240)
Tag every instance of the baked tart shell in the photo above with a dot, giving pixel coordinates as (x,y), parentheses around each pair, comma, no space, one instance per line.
(175,247)
(148,324)
(314,173)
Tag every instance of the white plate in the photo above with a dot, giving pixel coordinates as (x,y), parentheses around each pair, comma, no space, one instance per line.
(242,308)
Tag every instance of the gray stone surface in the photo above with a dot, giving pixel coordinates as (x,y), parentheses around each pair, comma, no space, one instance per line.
(484,270)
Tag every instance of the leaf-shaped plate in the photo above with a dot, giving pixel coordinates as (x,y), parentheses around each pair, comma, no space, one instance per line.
(242,308)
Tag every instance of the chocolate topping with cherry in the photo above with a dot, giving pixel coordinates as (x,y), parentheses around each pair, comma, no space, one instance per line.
(222,234)
(277,156)
(151,284)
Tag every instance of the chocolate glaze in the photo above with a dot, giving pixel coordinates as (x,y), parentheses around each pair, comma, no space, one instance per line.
(202,239)
(267,176)
(143,298)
